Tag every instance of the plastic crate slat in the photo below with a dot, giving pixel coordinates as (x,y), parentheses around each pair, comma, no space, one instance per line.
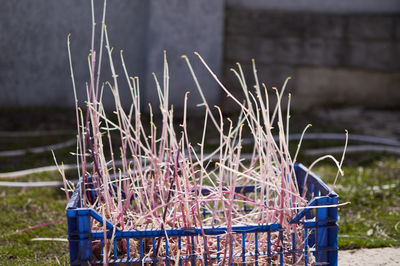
(261,255)
(187,232)
(99,218)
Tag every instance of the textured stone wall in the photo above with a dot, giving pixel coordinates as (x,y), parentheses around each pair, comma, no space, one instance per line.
(338,52)
(325,6)
(334,59)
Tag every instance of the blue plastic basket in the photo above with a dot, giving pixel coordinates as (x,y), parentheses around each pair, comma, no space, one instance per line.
(320,233)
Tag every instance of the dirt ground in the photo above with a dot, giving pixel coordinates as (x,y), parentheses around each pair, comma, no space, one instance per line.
(373,256)
(378,123)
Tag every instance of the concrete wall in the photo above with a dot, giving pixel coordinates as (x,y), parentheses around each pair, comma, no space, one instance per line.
(346,57)
(338,52)
(34,68)
(324,6)
(181,27)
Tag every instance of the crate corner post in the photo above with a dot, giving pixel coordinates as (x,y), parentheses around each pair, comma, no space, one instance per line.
(79,236)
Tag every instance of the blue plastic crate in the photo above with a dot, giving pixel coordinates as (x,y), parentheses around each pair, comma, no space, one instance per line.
(320,233)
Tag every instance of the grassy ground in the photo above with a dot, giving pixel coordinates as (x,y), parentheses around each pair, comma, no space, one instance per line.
(21,208)
(371,220)
(24,207)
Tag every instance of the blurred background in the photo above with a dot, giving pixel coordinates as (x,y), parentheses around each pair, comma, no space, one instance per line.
(343,57)
(339,53)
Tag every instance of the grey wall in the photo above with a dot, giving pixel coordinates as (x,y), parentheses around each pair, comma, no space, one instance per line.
(34,68)
(181,27)
(336,58)
(321,6)
(338,52)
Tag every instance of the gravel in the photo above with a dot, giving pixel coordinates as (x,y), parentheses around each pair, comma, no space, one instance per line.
(373,256)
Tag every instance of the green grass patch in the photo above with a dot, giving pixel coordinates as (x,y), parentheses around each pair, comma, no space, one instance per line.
(371,183)
(372,219)
(21,208)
